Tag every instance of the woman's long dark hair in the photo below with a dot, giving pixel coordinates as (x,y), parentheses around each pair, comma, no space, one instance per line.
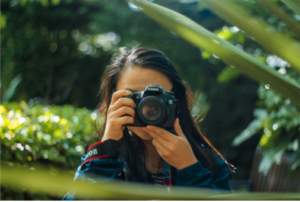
(150,58)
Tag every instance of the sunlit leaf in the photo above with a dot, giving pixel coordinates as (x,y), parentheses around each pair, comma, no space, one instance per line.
(225,33)
(55,2)
(227,74)
(3,21)
(205,55)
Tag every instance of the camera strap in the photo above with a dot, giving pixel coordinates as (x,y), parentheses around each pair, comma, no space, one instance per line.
(166,172)
(102,150)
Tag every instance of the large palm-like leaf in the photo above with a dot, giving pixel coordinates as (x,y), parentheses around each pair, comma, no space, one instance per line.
(272,41)
(204,39)
(277,11)
(57,184)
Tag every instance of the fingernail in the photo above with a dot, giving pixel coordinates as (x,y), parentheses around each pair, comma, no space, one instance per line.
(128,92)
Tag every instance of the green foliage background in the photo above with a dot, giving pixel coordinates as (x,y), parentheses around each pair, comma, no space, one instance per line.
(53,56)
(39,135)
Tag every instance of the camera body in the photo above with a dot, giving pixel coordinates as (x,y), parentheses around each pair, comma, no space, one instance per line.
(155,107)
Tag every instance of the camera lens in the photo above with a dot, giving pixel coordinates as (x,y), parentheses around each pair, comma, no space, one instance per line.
(151,110)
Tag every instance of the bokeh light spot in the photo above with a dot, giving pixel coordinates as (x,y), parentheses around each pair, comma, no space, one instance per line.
(53,47)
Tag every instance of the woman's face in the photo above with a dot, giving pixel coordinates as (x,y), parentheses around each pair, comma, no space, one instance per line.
(136,79)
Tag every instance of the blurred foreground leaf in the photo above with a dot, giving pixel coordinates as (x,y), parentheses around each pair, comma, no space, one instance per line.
(277,11)
(283,46)
(59,184)
(243,62)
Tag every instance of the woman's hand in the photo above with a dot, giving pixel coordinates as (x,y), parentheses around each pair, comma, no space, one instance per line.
(175,150)
(118,107)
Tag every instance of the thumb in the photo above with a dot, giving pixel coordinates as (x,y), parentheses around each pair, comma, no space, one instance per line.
(177,129)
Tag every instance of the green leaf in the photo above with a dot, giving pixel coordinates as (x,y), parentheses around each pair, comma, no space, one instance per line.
(205,55)
(277,11)
(252,128)
(296,164)
(55,2)
(294,5)
(269,157)
(201,5)
(284,47)
(204,39)
(3,22)
(19,155)
(227,74)
(11,89)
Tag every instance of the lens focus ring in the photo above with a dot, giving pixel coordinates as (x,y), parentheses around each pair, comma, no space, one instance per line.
(151,110)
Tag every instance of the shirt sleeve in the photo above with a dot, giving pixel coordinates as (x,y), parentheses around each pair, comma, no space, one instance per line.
(107,167)
(198,176)
(97,169)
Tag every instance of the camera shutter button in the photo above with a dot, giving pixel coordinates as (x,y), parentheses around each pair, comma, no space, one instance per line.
(170,93)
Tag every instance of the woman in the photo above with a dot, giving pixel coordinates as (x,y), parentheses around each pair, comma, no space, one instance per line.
(150,154)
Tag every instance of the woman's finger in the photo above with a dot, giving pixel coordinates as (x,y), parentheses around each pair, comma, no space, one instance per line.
(163,151)
(162,133)
(123,111)
(177,128)
(123,102)
(124,120)
(159,152)
(152,133)
(158,138)
(116,95)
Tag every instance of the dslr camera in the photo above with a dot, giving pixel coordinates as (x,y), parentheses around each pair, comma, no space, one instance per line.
(155,107)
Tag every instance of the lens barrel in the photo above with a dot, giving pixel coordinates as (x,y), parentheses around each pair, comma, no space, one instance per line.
(152,111)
